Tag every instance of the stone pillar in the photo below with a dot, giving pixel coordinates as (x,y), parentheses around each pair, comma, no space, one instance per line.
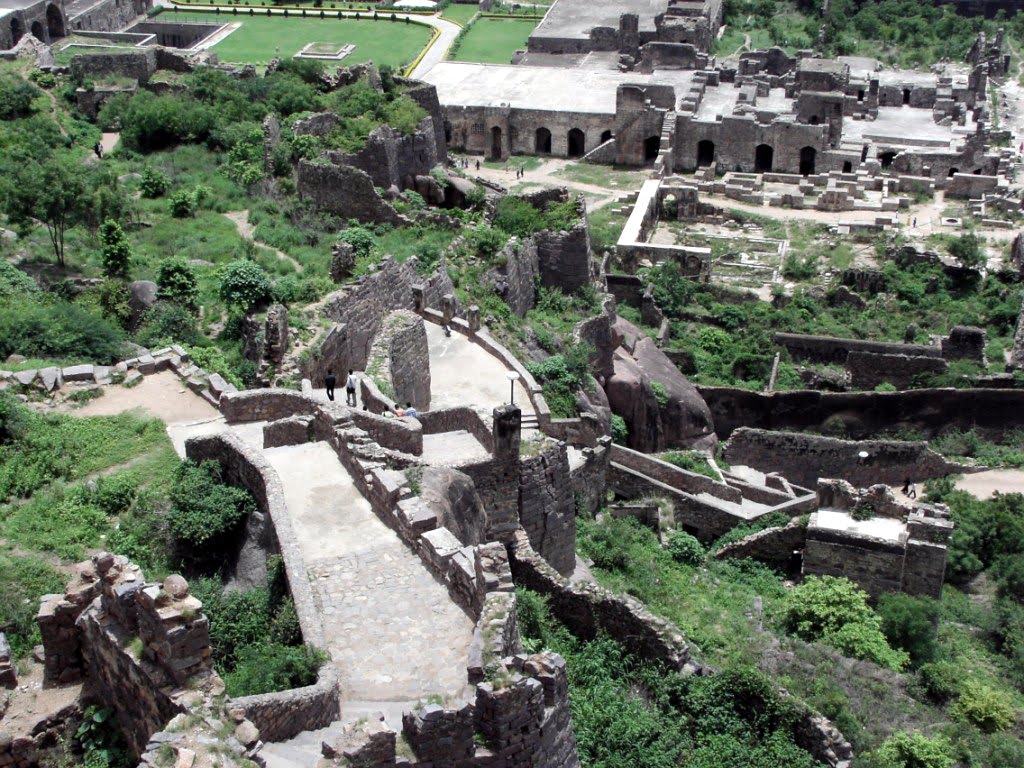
(448,307)
(62,642)
(507,432)
(275,333)
(473,318)
(343,261)
(419,299)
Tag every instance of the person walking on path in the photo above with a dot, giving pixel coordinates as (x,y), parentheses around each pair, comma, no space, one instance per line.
(350,389)
(329,382)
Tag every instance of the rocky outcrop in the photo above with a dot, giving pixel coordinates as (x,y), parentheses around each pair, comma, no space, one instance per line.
(399,361)
(142,294)
(662,409)
(453,497)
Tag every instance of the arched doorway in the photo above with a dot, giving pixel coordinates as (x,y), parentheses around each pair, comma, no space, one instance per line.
(38,31)
(953,172)
(496,143)
(847,167)
(54,22)
(705,153)
(577,143)
(763,157)
(17,30)
(606,136)
(807,157)
(542,142)
(651,146)
(886,158)
(906,95)
(815,120)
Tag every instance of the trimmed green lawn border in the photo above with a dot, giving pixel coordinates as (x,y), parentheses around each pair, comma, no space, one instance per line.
(493,41)
(262,38)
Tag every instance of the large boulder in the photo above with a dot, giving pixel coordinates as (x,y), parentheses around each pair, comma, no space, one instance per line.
(453,497)
(141,296)
(662,409)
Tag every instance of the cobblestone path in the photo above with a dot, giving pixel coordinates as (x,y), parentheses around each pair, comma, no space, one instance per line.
(392,631)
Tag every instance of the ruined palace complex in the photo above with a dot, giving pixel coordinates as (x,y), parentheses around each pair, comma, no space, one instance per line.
(403,539)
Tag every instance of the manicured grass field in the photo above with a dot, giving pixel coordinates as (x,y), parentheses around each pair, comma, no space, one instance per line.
(261,38)
(493,41)
(460,13)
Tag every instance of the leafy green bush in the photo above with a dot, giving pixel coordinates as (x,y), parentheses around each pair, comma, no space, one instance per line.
(518,217)
(835,611)
(244,284)
(177,283)
(203,509)
(15,284)
(16,97)
(985,707)
(154,183)
(914,750)
(115,252)
(184,203)
(968,249)
(58,329)
(910,623)
(560,376)
(684,548)
(771,520)
(167,323)
(940,680)
(273,667)
(62,520)
(620,432)
(360,238)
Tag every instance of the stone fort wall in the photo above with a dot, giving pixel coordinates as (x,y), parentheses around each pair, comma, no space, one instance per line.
(803,458)
(864,414)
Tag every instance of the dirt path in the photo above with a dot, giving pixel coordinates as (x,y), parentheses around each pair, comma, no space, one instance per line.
(984,485)
(597,196)
(241,221)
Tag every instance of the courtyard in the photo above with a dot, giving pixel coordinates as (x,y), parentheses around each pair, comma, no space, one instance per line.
(259,39)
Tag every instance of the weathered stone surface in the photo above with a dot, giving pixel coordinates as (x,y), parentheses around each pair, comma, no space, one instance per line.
(50,378)
(399,360)
(142,294)
(79,373)
(25,377)
(662,409)
(457,506)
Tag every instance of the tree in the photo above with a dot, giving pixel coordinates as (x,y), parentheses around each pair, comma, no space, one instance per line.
(968,249)
(115,251)
(244,284)
(177,283)
(910,623)
(55,192)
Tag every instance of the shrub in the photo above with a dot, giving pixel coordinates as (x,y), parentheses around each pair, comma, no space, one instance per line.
(16,97)
(969,249)
(620,432)
(166,323)
(940,680)
(910,623)
(154,183)
(691,461)
(184,203)
(836,612)
(244,284)
(684,548)
(273,667)
(985,707)
(14,283)
(915,750)
(203,508)
(115,252)
(58,329)
(22,581)
(177,283)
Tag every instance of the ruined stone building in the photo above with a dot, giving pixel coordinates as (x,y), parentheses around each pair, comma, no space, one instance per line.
(48,20)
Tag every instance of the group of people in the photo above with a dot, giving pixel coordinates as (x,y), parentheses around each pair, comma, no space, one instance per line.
(331,381)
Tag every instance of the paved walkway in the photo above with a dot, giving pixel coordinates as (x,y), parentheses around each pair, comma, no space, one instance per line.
(391,628)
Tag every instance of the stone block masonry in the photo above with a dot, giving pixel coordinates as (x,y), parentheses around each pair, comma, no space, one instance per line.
(346,191)
(803,458)
(399,361)
(546,506)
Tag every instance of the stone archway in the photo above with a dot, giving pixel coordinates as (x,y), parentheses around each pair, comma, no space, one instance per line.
(577,143)
(54,22)
(606,136)
(807,157)
(542,142)
(496,153)
(764,155)
(17,31)
(652,145)
(886,158)
(705,153)
(38,31)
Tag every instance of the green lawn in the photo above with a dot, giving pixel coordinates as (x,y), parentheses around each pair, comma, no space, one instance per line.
(460,13)
(493,41)
(261,38)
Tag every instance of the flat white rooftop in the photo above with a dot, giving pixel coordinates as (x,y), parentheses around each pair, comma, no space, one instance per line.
(573,19)
(885,528)
(462,84)
(903,126)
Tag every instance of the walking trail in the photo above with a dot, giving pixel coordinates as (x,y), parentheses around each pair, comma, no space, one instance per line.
(247,231)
